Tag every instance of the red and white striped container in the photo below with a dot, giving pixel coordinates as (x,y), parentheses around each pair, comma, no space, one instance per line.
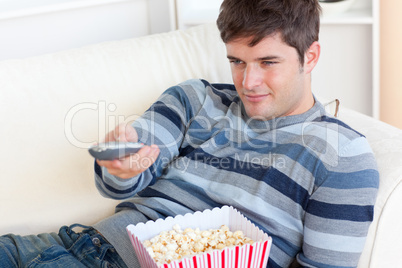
(250,256)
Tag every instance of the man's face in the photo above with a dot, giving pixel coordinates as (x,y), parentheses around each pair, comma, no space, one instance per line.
(269,78)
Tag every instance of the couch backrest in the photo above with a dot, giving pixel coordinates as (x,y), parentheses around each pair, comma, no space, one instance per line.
(54,106)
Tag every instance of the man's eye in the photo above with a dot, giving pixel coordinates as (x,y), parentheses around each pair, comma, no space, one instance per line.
(268,63)
(236,62)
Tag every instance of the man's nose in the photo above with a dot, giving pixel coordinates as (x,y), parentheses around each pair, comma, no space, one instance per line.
(252,78)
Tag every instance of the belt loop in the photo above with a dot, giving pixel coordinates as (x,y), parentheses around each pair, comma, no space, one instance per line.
(79,225)
(71,227)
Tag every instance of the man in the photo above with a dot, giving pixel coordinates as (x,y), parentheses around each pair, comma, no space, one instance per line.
(264,145)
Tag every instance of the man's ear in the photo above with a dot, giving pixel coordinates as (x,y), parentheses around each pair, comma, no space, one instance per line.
(311,57)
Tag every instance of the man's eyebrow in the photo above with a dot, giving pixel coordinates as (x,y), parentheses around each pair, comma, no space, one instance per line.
(232,58)
(267,58)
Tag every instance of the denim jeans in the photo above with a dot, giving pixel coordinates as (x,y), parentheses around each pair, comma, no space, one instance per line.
(87,248)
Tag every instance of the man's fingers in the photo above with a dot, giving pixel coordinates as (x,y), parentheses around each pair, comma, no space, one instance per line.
(142,160)
(131,134)
(132,165)
(123,133)
(109,164)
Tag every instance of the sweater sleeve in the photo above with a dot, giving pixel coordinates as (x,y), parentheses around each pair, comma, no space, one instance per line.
(163,124)
(341,208)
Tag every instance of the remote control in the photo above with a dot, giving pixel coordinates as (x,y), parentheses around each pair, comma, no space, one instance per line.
(114,150)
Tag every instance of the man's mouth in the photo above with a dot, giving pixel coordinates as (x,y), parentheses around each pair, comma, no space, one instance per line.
(256,97)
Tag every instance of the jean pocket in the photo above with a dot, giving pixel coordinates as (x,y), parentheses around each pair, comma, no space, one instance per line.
(55,256)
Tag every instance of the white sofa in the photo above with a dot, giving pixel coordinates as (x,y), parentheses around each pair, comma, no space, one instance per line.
(54,106)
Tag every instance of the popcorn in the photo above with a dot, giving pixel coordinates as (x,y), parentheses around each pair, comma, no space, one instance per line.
(175,244)
(215,253)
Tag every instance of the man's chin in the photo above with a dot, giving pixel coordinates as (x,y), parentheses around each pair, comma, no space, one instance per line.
(258,115)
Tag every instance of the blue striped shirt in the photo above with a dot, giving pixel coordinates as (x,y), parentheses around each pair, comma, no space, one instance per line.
(308,180)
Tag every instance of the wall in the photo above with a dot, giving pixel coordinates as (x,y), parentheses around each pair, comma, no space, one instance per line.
(391,58)
(44,26)
(103,20)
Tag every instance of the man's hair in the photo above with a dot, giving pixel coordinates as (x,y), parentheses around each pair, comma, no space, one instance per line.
(297,20)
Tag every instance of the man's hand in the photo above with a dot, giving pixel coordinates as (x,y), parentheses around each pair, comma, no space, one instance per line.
(134,164)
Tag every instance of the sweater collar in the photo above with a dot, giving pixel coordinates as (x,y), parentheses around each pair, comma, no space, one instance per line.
(310,115)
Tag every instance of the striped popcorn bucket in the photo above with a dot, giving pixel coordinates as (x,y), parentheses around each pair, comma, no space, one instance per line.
(250,256)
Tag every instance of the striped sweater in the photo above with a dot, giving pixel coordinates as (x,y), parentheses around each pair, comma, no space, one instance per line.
(308,180)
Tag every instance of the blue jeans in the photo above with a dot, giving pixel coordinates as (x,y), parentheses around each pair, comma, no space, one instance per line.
(87,248)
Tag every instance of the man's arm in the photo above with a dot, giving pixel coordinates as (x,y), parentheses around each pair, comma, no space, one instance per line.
(340,209)
(162,129)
